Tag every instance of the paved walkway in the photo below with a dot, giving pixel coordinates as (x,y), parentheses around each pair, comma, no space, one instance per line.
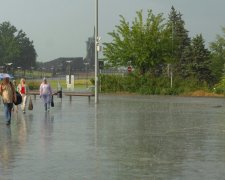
(123,137)
(39,144)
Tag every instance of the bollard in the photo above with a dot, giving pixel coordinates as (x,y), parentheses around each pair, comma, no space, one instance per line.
(59,92)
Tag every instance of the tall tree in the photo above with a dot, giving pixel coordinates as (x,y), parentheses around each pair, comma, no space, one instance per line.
(15,47)
(27,57)
(142,44)
(200,59)
(218,55)
(180,39)
(9,47)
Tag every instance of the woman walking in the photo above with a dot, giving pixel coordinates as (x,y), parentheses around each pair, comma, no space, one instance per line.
(46,94)
(23,90)
(8,94)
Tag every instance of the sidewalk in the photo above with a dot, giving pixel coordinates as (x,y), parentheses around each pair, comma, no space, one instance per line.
(123,137)
(38,145)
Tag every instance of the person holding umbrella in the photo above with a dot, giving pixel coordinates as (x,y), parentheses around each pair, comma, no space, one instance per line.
(4,75)
(8,93)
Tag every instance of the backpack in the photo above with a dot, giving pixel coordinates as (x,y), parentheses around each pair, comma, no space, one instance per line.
(18,99)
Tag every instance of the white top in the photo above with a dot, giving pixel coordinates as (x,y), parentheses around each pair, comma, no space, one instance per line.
(45,89)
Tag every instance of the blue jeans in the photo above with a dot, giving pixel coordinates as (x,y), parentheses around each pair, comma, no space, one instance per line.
(7,111)
(47,101)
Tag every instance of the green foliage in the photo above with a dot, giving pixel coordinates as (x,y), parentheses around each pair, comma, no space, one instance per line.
(27,57)
(218,55)
(179,33)
(9,47)
(92,81)
(179,41)
(199,60)
(142,44)
(34,85)
(150,44)
(15,47)
(147,84)
(220,87)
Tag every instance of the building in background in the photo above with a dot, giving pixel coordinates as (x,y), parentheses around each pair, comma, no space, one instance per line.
(64,65)
(90,57)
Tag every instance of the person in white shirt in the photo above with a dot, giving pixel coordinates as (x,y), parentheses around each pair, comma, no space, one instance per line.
(46,94)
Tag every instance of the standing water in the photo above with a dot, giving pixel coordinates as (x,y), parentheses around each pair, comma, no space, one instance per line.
(123,137)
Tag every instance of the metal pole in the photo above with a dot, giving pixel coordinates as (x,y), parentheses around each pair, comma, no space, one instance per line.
(96,52)
(171,73)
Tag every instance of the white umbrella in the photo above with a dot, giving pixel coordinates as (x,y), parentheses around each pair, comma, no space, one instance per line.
(5,75)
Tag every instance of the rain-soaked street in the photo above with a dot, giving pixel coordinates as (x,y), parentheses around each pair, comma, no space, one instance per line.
(121,138)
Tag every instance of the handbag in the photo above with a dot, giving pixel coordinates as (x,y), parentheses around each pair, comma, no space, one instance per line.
(52,102)
(30,105)
(18,99)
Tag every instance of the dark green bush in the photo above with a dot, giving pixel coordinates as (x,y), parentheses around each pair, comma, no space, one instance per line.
(147,84)
(34,85)
(220,87)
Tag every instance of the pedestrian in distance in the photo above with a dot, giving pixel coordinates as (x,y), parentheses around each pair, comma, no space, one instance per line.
(8,94)
(15,85)
(23,90)
(46,94)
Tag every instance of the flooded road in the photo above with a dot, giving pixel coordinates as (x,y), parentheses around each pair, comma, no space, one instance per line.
(123,137)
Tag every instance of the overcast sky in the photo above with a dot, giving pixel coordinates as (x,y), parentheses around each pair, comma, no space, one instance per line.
(60,28)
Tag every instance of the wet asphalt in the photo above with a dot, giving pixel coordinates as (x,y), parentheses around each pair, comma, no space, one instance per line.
(122,137)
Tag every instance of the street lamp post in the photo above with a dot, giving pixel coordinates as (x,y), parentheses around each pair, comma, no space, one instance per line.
(96,51)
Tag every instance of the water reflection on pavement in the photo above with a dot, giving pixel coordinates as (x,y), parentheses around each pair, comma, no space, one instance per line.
(123,137)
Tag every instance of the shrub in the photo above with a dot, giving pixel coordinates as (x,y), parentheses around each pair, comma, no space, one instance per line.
(220,87)
(147,84)
(34,85)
